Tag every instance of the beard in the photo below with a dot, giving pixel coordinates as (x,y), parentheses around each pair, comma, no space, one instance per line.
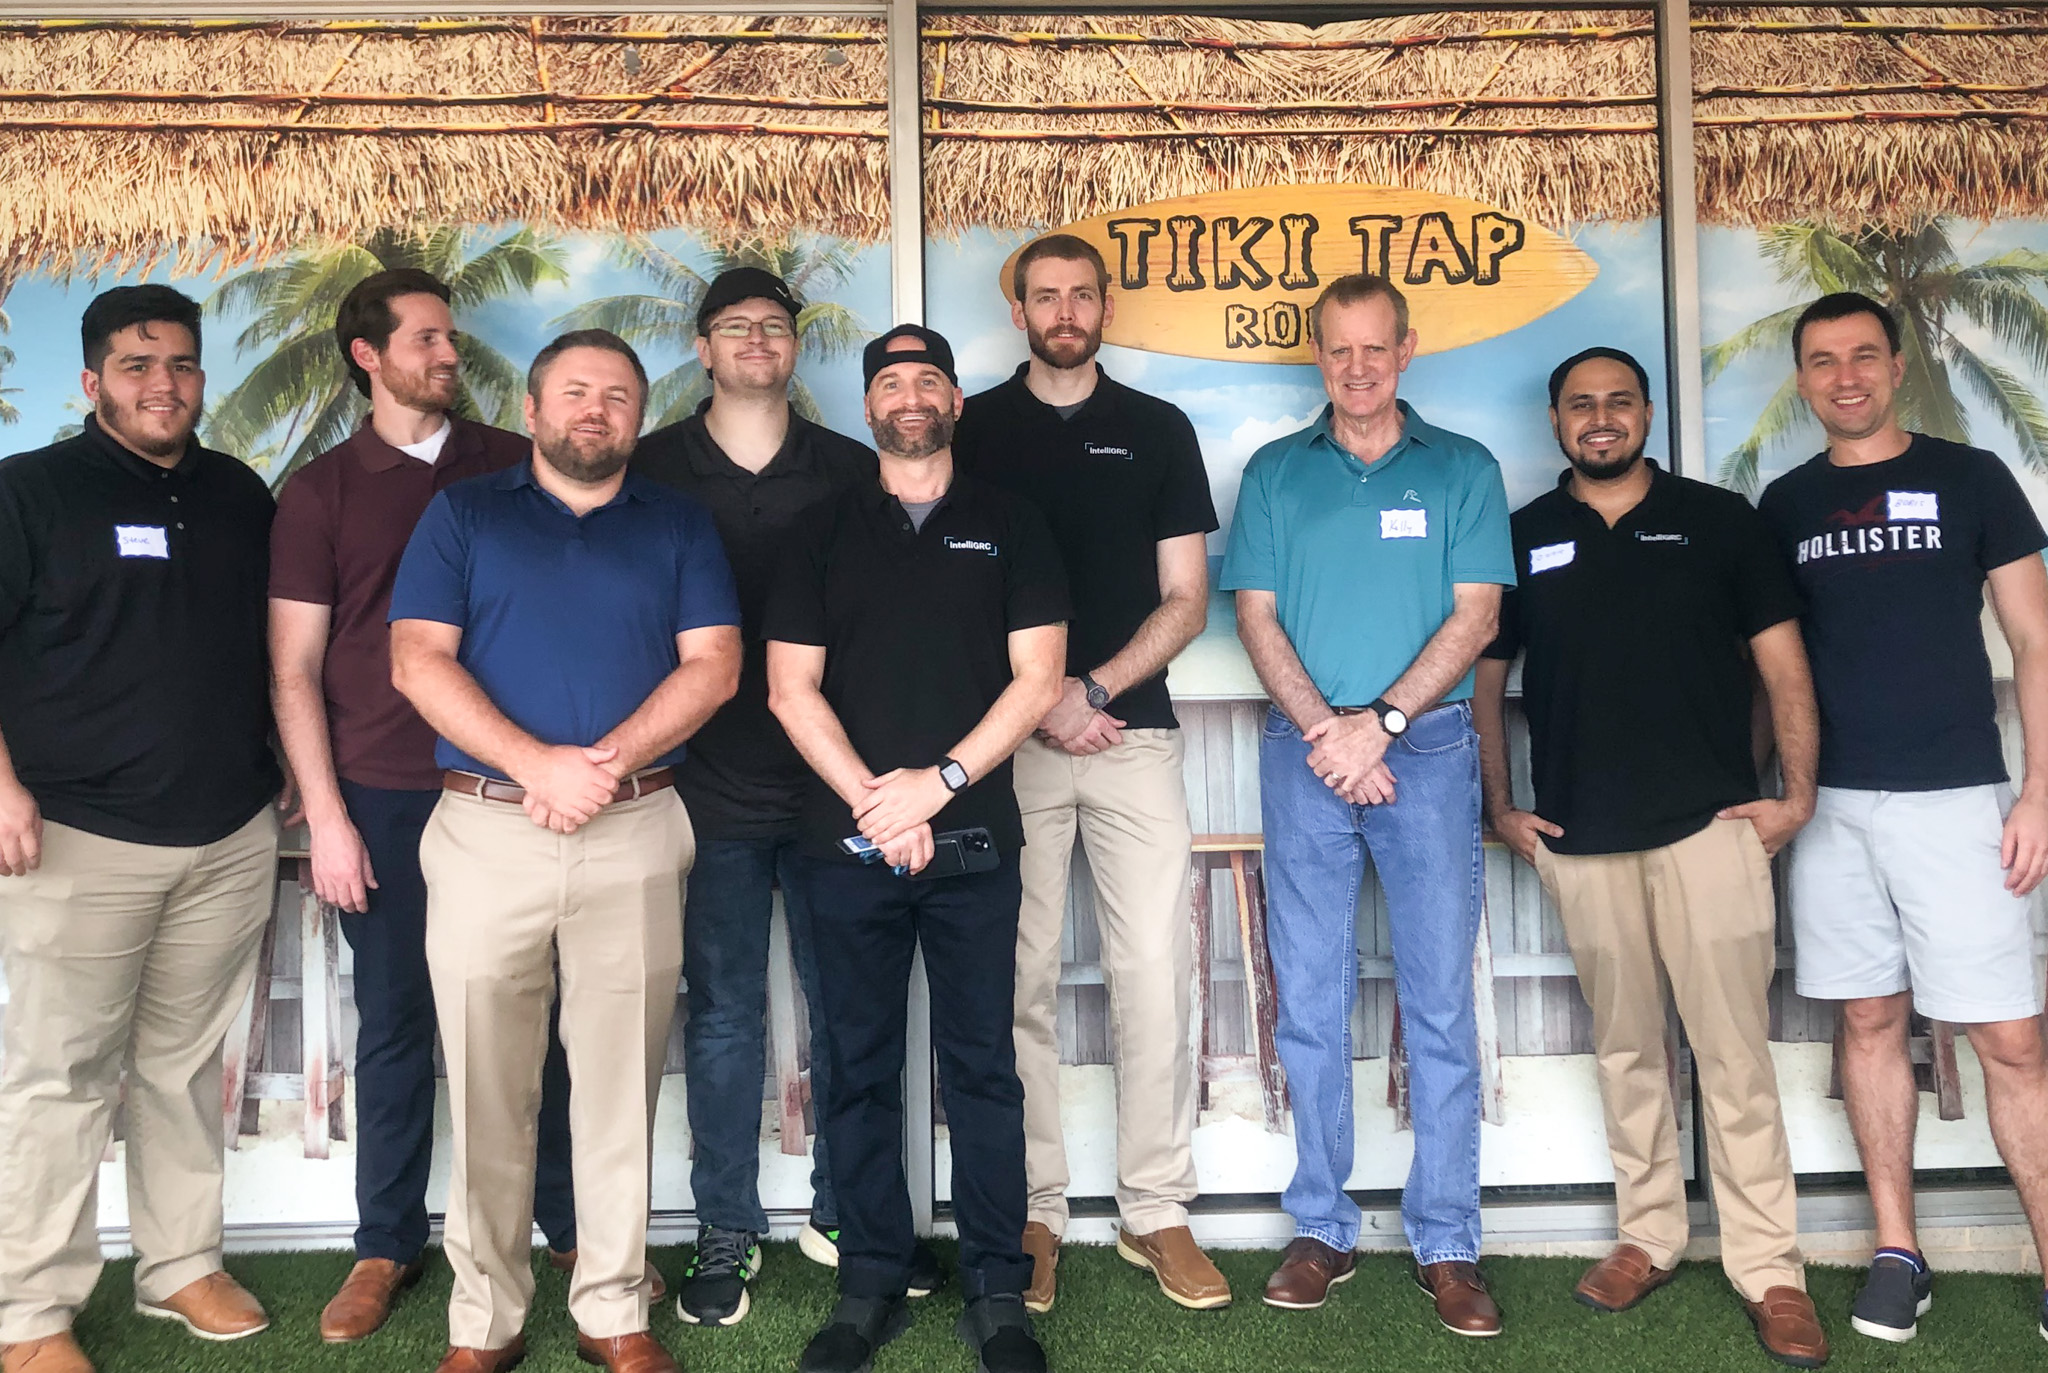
(890,438)
(1064,353)
(1602,469)
(581,459)
(426,390)
(129,425)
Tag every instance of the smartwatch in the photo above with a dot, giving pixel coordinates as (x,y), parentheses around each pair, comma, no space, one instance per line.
(953,775)
(1393,719)
(1097,693)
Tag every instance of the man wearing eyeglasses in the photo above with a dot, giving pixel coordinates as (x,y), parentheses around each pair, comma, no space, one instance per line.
(756,465)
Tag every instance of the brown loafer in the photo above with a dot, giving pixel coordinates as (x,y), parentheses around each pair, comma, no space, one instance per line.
(1462,1302)
(214,1307)
(564,1261)
(366,1297)
(1044,1248)
(1185,1273)
(1308,1270)
(57,1353)
(1787,1327)
(638,1352)
(1621,1280)
(461,1359)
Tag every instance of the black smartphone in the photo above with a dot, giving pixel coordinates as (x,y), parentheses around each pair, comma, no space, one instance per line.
(955,853)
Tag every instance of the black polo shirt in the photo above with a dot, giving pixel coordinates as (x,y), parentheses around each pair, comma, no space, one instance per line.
(1112,479)
(915,625)
(742,778)
(134,673)
(1637,684)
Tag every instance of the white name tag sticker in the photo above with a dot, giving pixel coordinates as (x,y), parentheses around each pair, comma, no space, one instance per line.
(1404,524)
(1552,555)
(1912,505)
(141,541)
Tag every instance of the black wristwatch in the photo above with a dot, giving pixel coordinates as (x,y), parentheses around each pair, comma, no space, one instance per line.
(1393,719)
(1097,693)
(953,775)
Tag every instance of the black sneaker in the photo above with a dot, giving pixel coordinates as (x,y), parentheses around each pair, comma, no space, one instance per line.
(859,1326)
(998,1329)
(925,1276)
(714,1290)
(820,1243)
(1894,1297)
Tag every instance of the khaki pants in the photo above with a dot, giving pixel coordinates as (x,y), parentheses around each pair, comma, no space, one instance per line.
(1130,805)
(508,905)
(119,956)
(1696,918)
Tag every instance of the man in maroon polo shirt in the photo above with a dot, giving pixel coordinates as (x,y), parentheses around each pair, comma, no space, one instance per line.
(364,761)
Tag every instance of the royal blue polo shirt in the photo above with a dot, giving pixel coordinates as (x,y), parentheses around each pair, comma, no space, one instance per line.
(1361,558)
(568,622)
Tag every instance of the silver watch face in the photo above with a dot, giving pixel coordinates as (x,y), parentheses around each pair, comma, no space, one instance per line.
(954,776)
(1394,721)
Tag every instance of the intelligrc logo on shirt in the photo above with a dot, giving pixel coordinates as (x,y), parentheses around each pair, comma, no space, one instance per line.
(1645,536)
(1404,524)
(959,545)
(1108,450)
(141,541)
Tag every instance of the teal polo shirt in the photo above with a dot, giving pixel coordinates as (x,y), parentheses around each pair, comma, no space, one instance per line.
(1362,558)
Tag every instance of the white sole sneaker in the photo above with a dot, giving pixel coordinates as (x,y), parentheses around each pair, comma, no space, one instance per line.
(817,1246)
(164,1313)
(1891,1334)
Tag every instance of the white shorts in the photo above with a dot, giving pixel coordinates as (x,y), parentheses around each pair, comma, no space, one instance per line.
(1899,889)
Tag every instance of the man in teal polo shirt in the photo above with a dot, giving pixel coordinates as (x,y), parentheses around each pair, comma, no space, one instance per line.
(1368,555)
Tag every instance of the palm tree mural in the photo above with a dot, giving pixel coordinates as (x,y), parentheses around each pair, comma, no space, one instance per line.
(1933,293)
(810,266)
(298,401)
(8,414)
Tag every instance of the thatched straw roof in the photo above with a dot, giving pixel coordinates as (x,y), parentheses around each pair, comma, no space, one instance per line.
(1870,116)
(1043,120)
(121,139)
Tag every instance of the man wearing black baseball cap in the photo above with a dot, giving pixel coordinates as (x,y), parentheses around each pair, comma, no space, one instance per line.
(918,634)
(757,466)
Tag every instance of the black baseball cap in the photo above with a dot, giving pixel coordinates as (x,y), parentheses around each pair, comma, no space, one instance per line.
(744,283)
(932,348)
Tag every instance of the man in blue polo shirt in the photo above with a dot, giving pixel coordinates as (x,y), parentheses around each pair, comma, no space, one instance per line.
(563,625)
(1368,555)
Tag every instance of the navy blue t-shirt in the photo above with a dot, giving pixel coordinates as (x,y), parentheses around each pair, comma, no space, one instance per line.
(1891,558)
(568,624)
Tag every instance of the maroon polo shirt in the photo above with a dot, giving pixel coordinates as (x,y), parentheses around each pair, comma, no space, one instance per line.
(342,525)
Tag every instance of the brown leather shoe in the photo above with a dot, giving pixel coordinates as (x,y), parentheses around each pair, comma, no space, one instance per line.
(57,1353)
(1462,1302)
(462,1359)
(1621,1280)
(1787,1327)
(366,1297)
(1044,1248)
(638,1352)
(1308,1270)
(214,1307)
(1185,1273)
(564,1261)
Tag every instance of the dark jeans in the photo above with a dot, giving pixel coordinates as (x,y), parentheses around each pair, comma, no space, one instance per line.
(725,960)
(867,923)
(395,1046)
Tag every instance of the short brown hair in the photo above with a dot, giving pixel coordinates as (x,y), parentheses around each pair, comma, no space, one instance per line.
(366,313)
(1356,289)
(1064,247)
(602,339)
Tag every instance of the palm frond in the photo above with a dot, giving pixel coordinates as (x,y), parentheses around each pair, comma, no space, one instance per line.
(305,372)
(514,266)
(829,330)
(334,421)
(676,393)
(1781,414)
(2016,406)
(637,319)
(2004,307)
(1927,401)
(1769,334)
(803,402)
(492,384)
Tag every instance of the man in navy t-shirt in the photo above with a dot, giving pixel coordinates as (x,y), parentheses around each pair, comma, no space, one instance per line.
(1909,884)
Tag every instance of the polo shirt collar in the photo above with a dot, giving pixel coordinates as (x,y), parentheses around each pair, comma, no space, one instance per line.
(707,459)
(378,456)
(134,464)
(1663,486)
(1414,430)
(520,474)
(1102,398)
(877,497)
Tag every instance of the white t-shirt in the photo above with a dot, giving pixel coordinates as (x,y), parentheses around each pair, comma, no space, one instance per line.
(428,449)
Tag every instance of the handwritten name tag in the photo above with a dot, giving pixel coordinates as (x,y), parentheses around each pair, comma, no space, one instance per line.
(141,541)
(1912,505)
(1552,555)
(1404,524)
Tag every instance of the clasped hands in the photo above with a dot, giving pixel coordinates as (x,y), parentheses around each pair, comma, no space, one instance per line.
(1349,753)
(1078,727)
(566,785)
(895,812)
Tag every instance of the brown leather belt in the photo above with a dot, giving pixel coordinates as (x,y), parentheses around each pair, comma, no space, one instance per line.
(491,789)
(1360,710)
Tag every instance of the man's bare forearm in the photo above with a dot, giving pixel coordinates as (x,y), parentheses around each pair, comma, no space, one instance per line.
(300,705)
(1489,717)
(1780,656)
(449,699)
(1473,624)
(1279,668)
(813,726)
(1023,703)
(675,710)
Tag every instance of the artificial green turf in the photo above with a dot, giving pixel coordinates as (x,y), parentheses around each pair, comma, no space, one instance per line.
(1110,1316)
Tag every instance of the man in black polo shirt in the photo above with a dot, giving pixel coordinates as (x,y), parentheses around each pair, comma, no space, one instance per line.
(138,845)
(756,465)
(1119,477)
(916,637)
(1643,598)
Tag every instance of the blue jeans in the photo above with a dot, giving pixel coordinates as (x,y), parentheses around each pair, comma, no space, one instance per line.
(1425,846)
(725,960)
(395,1046)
